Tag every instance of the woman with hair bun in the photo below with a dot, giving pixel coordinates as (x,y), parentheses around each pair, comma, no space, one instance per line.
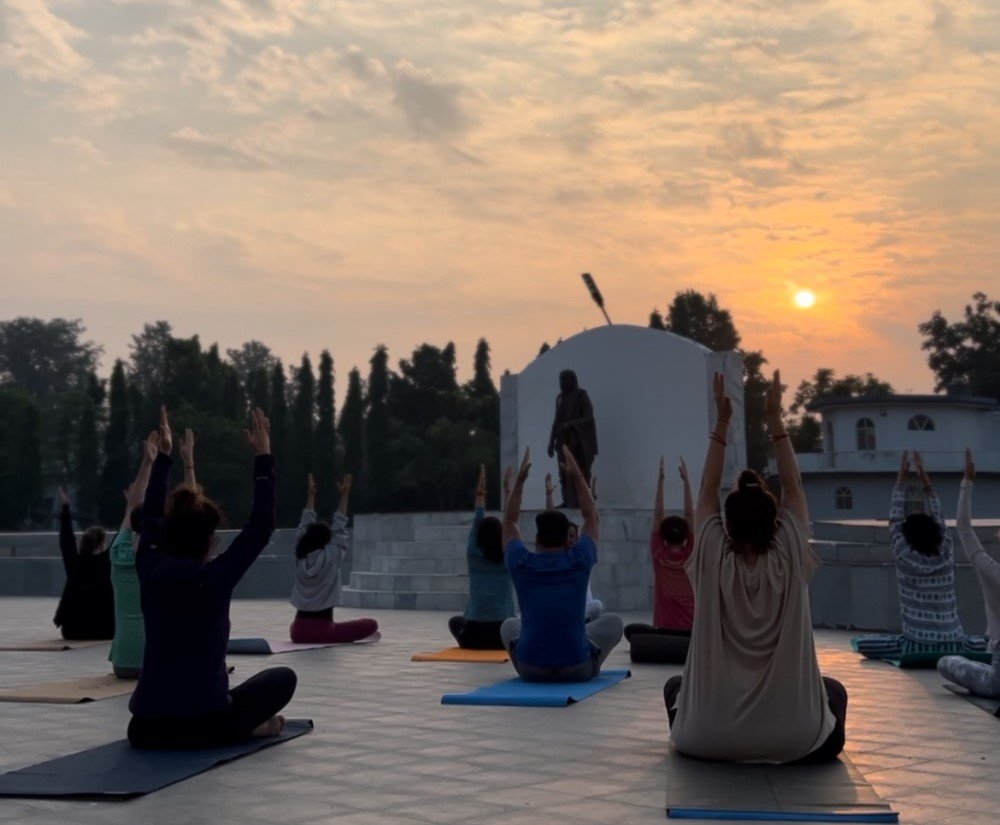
(183,699)
(752,659)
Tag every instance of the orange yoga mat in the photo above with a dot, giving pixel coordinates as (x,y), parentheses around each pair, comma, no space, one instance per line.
(460,654)
(72,691)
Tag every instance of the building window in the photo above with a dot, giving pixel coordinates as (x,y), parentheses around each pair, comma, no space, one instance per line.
(866,434)
(913,501)
(920,422)
(845,501)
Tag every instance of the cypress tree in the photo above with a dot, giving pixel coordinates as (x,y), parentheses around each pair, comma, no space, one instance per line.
(115,473)
(279,433)
(325,439)
(352,433)
(257,389)
(377,430)
(87,466)
(292,483)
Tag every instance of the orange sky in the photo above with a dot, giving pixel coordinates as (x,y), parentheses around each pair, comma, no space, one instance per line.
(344,173)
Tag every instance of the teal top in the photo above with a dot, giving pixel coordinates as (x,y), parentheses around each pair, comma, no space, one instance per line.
(491,594)
(130,633)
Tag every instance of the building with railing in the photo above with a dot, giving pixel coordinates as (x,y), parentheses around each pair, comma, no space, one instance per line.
(864,439)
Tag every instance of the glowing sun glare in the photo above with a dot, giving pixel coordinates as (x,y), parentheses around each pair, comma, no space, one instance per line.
(804,299)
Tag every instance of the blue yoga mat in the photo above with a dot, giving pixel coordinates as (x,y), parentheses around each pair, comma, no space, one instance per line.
(119,771)
(770,816)
(536,694)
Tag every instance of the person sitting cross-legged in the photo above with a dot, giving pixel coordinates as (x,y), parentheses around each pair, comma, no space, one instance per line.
(491,597)
(552,641)
(319,553)
(752,689)
(978,677)
(925,574)
(670,545)
(183,699)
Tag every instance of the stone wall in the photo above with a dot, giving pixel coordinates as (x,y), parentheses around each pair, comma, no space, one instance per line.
(855,587)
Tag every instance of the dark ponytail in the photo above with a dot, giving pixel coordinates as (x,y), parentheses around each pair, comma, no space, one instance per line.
(751,513)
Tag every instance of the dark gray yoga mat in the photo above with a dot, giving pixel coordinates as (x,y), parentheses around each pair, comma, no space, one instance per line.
(832,792)
(119,771)
(991,706)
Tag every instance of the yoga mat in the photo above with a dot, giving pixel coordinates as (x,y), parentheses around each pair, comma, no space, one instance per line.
(52,645)
(536,694)
(72,691)
(832,792)
(991,706)
(460,654)
(923,658)
(119,771)
(271,647)
(658,649)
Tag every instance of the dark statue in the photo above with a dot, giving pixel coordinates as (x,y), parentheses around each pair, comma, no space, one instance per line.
(574,426)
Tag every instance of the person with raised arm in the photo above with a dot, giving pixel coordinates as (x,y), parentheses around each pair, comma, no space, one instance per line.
(319,553)
(594,606)
(670,546)
(925,575)
(977,677)
(186,449)
(86,608)
(183,699)
(491,595)
(751,689)
(552,642)
(130,635)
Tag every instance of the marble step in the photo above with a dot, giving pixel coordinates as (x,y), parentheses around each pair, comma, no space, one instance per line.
(441,533)
(400,583)
(386,600)
(425,549)
(415,565)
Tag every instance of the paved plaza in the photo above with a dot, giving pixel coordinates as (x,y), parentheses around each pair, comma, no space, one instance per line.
(386,751)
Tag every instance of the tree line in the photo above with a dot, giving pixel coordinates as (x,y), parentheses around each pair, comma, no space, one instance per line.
(413,436)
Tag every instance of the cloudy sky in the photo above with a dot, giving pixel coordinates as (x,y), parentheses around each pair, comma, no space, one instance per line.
(341,173)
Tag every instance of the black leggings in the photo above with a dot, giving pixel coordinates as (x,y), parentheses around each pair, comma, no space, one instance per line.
(637,628)
(254,702)
(836,697)
(474,635)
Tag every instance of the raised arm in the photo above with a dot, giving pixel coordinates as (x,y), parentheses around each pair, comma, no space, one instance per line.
(930,494)
(688,501)
(508,476)
(309,511)
(512,512)
(793,496)
(67,538)
(588,509)
(470,545)
(897,506)
(658,509)
(137,489)
(186,449)
(550,488)
(711,474)
(154,502)
(985,565)
(232,564)
(344,489)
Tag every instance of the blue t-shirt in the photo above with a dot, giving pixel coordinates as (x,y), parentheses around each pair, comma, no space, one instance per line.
(552,592)
(491,598)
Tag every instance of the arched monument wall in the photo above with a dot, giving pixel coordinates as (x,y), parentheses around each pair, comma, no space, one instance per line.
(652,395)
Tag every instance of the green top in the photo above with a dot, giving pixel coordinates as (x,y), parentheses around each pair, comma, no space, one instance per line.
(130,633)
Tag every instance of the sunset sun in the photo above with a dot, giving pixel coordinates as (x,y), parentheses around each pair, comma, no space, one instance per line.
(804,299)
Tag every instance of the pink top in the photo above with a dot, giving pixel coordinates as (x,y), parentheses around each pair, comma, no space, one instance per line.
(673,598)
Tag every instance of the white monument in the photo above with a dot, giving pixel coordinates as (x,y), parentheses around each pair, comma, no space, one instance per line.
(652,396)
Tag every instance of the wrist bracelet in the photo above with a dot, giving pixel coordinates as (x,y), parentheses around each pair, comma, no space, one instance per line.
(778,437)
(717,438)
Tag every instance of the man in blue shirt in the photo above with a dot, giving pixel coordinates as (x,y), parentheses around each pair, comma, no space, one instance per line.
(552,642)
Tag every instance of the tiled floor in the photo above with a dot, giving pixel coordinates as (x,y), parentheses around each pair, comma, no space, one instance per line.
(386,751)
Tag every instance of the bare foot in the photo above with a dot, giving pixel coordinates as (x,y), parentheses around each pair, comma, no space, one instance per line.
(272,727)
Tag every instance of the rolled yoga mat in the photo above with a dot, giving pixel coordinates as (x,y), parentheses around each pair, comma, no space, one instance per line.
(658,649)
(991,706)
(832,792)
(119,771)
(271,647)
(517,692)
(71,691)
(461,654)
(52,645)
